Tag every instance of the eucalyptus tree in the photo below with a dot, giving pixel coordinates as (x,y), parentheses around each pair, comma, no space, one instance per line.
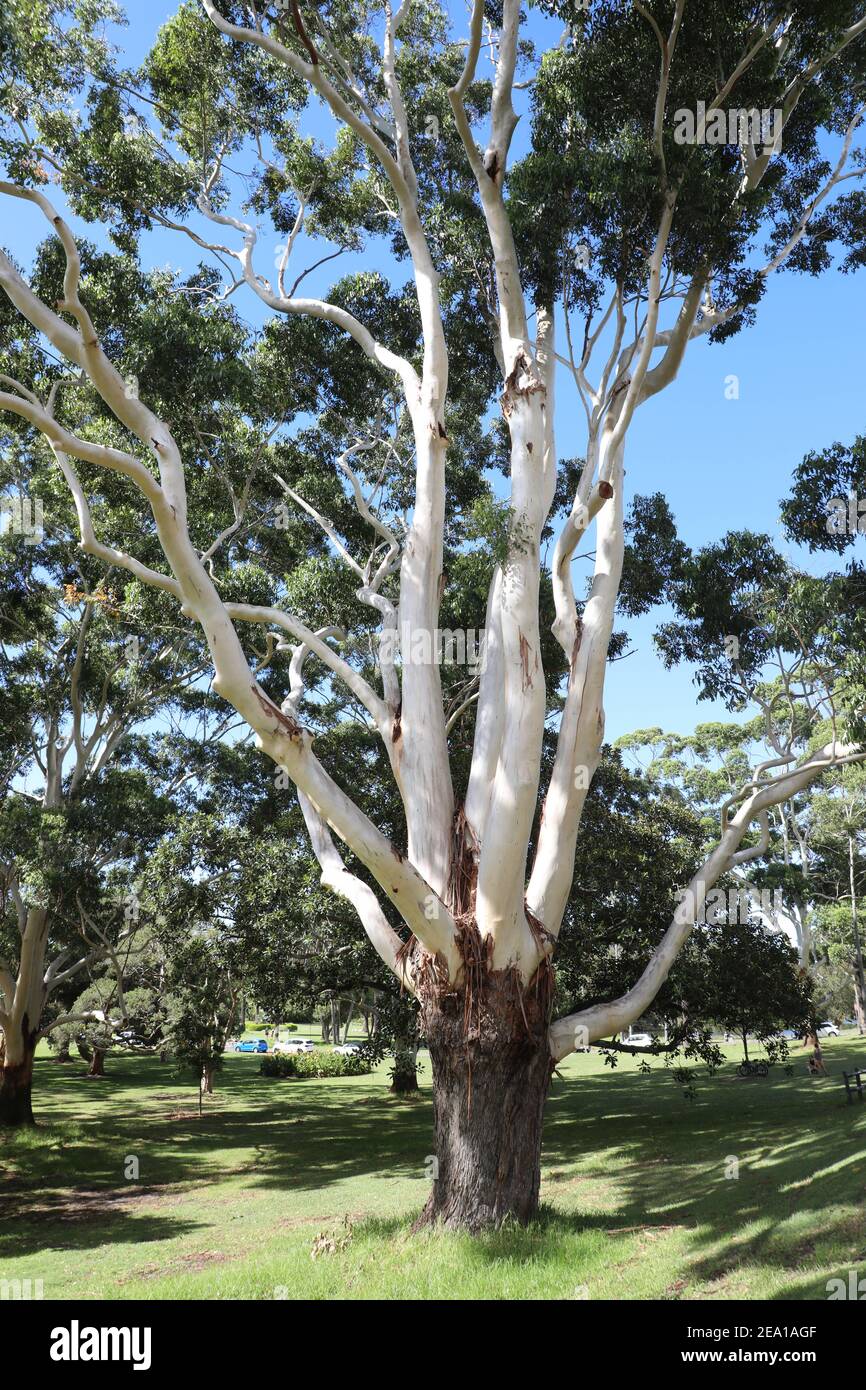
(765,636)
(703,769)
(838,816)
(95,670)
(79,812)
(826,511)
(624,227)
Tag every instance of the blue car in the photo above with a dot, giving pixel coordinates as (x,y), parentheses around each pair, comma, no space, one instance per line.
(252,1045)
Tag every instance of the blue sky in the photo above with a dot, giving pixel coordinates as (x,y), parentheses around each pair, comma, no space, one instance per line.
(722,464)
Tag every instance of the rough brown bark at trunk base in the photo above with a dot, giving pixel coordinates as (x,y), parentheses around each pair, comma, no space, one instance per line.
(16,1091)
(492,1066)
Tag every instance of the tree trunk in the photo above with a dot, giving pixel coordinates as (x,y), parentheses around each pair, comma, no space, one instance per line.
(404,1075)
(859,973)
(349,1017)
(97,1064)
(16,1086)
(859,999)
(21,1027)
(206,1081)
(492,1066)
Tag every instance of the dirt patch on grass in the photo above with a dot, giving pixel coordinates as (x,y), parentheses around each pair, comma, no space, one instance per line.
(182,1264)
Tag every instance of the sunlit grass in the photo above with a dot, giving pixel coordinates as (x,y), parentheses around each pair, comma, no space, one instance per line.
(308,1189)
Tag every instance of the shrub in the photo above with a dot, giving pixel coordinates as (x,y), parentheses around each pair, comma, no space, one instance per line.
(278,1066)
(332,1064)
(315,1064)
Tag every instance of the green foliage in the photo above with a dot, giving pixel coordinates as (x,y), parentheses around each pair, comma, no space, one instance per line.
(834,990)
(201,1003)
(318,1064)
(748,980)
(127,1025)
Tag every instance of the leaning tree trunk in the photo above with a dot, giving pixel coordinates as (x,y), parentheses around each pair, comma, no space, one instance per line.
(489,1047)
(16,1081)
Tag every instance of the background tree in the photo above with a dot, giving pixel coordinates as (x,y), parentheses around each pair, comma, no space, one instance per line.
(108,1018)
(839,832)
(201,1007)
(751,982)
(90,659)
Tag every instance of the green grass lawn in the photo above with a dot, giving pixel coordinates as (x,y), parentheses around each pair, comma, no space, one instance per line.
(232,1205)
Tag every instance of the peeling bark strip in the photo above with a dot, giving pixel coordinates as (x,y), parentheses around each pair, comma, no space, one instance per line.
(525,651)
(293,729)
(302,33)
(463,870)
(514,389)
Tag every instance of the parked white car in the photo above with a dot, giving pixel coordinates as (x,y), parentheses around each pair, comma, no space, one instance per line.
(828,1030)
(295,1045)
(639,1040)
(348,1049)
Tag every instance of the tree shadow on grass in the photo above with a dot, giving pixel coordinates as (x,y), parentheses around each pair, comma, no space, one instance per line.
(63,1185)
(624,1155)
(771,1173)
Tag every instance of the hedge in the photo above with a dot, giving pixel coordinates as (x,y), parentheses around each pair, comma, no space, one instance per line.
(316,1064)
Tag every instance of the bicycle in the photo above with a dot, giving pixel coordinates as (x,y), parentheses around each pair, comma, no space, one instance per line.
(753,1069)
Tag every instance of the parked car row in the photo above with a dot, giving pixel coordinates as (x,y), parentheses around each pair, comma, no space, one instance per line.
(827,1029)
(824,1030)
(287,1047)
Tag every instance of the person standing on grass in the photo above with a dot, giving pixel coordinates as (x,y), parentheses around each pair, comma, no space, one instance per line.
(816,1061)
